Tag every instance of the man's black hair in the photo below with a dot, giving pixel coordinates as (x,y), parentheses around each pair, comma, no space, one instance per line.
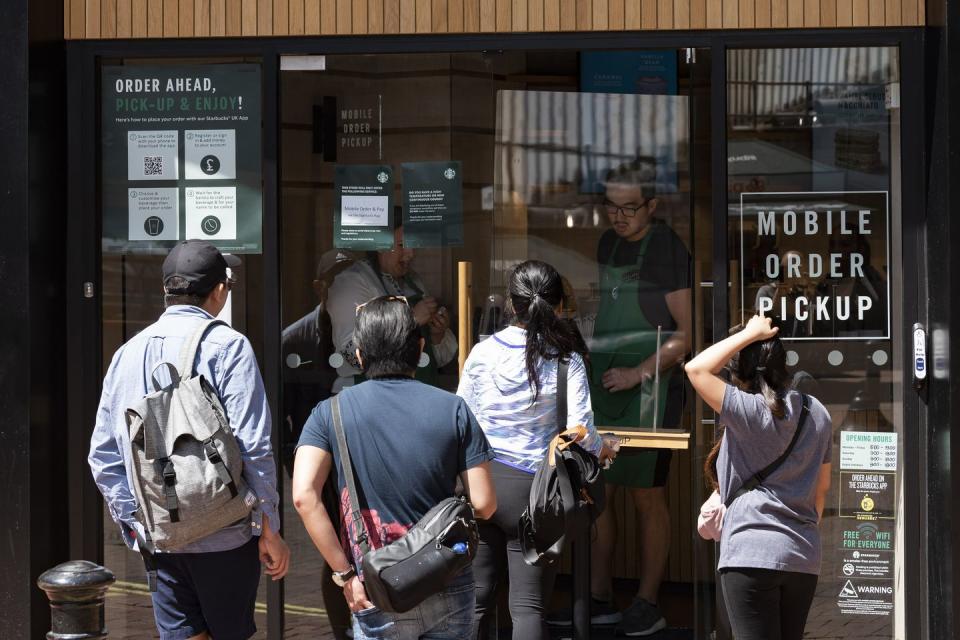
(641,172)
(388,338)
(171,297)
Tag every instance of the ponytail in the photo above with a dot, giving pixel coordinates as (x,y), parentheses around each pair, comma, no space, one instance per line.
(536,289)
(761,367)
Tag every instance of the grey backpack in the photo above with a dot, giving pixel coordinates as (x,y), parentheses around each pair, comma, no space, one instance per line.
(186,461)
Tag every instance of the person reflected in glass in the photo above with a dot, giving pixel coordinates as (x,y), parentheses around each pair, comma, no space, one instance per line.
(306,346)
(308,377)
(859,282)
(791,284)
(644,284)
(388,273)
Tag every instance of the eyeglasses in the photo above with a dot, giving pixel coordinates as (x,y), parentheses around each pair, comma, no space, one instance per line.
(613,208)
(402,299)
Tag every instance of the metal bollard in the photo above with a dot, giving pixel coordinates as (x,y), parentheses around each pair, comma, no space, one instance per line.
(76,590)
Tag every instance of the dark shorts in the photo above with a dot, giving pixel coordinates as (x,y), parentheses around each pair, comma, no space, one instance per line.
(213,592)
(640,468)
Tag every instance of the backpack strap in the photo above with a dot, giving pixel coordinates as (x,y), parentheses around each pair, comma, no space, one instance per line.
(358,529)
(188,353)
(562,367)
(146,549)
(757,479)
(213,455)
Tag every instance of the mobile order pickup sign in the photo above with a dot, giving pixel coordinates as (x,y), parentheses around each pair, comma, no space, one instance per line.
(817,262)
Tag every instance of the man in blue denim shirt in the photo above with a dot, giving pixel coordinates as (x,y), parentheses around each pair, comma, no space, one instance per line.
(207,588)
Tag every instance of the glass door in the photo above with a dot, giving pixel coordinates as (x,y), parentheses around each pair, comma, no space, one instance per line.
(526,140)
(814,166)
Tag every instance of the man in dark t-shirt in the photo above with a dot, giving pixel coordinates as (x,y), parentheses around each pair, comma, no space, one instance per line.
(409,443)
(644,320)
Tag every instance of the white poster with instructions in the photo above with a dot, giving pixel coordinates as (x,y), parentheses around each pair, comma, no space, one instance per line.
(211,213)
(210,154)
(364,211)
(152,155)
(154,214)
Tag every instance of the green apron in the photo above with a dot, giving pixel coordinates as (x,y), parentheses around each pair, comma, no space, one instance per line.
(429,374)
(624,337)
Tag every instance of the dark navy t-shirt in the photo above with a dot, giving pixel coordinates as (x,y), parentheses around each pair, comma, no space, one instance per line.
(408,443)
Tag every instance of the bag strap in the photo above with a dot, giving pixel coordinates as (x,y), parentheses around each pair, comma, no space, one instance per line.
(562,367)
(757,479)
(146,549)
(188,353)
(359,530)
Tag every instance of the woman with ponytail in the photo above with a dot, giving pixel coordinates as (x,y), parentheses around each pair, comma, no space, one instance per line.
(510,383)
(770,538)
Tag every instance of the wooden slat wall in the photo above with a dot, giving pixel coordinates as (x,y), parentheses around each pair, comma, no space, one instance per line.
(112,19)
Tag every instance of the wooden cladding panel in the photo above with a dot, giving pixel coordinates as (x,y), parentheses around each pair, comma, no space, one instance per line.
(120,19)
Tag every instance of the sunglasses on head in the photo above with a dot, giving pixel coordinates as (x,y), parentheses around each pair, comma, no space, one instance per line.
(402,299)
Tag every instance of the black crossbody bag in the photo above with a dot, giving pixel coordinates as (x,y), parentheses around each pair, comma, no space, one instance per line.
(567,493)
(757,479)
(404,573)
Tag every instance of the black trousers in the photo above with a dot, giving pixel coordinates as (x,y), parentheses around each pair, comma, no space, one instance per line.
(764,604)
(530,587)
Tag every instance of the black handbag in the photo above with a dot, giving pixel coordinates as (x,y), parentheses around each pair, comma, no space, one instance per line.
(404,573)
(567,493)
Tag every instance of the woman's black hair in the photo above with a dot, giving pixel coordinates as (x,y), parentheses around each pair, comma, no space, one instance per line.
(760,367)
(536,290)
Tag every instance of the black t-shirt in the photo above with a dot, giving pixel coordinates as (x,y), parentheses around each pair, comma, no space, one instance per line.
(666,266)
(408,443)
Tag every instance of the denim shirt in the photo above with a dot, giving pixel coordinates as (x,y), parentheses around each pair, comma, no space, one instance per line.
(226,359)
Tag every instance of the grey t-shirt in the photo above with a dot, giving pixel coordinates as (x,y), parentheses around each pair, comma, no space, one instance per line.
(775,525)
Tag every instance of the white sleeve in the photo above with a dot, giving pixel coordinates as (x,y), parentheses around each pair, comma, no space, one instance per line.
(466,389)
(446,351)
(579,411)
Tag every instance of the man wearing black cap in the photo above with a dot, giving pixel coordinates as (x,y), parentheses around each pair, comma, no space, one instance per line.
(206,588)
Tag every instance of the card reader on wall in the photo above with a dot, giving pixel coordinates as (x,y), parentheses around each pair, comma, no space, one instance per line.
(919,355)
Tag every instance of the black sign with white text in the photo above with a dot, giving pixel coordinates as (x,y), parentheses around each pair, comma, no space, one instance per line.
(817,262)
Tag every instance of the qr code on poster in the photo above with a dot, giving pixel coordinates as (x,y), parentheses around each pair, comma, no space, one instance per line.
(153,165)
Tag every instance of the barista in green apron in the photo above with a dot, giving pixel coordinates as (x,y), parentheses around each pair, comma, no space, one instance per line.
(623,338)
(644,282)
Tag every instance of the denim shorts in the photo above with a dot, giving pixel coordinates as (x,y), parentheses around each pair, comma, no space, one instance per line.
(213,591)
(448,615)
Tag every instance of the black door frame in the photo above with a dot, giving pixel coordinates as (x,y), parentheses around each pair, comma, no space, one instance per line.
(84,358)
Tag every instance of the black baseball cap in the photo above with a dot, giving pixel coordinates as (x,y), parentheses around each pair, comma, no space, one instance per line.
(199,263)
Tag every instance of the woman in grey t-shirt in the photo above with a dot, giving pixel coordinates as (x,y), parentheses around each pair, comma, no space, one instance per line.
(770,543)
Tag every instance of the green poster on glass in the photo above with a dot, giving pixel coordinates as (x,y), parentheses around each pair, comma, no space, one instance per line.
(180,148)
(433,204)
(363,207)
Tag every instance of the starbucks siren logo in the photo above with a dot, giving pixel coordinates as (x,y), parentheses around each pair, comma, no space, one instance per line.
(450,174)
(383,176)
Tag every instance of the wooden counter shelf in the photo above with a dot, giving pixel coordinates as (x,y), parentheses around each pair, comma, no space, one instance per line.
(650,439)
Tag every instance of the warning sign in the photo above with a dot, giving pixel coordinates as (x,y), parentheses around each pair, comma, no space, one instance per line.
(867,496)
(865,598)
